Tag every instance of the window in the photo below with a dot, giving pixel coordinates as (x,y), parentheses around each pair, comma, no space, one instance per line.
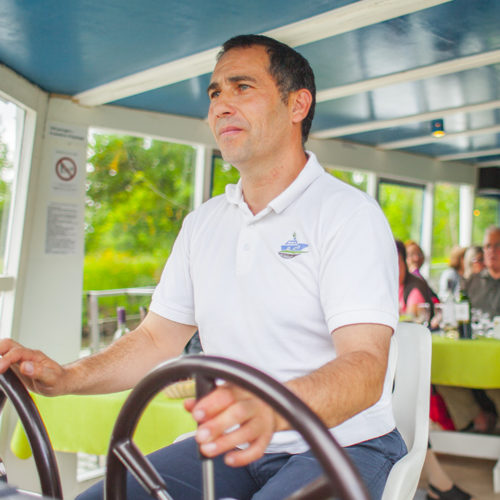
(11,125)
(403,206)
(445,227)
(138,191)
(486,213)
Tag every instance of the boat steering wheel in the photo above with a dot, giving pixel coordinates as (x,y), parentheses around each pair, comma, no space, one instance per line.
(13,389)
(340,477)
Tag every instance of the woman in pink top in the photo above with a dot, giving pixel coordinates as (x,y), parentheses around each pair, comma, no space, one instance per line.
(412,289)
(414,257)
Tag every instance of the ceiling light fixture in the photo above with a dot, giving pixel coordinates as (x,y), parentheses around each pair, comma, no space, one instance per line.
(437,128)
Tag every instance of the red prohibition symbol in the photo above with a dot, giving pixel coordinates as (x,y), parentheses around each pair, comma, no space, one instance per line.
(66,168)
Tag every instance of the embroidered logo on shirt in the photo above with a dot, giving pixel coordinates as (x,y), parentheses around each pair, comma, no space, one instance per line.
(292,248)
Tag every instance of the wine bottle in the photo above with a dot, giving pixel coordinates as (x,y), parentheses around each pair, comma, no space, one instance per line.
(449,323)
(121,328)
(462,314)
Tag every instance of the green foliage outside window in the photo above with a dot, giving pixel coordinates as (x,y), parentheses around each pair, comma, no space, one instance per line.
(445,228)
(356,179)
(138,193)
(402,205)
(6,176)
(223,173)
(486,213)
(446,223)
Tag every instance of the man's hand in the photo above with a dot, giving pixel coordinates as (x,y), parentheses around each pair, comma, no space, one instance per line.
(229,417)
(38,372)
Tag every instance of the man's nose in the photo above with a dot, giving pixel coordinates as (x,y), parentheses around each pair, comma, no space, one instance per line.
(222,105)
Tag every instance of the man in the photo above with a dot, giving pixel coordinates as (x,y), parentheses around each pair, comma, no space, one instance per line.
(483,290)
(270,273)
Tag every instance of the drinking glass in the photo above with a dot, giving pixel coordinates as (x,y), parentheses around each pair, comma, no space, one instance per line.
(423,314)
(437,320)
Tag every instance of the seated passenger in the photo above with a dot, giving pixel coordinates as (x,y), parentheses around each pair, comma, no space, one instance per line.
(412,290)
(450,279)
(415,259)
(473,261)
(468,409)
(483,287)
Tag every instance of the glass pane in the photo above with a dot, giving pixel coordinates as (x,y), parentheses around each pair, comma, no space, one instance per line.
(11,124)
(402,206)
(354,178)
(445,228)
(223,173)
(138,191)
(486,213)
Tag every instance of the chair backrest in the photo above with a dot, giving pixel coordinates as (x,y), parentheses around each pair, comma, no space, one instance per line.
(410,401)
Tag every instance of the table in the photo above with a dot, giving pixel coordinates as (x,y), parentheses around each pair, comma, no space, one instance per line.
(84,423)
(467,363)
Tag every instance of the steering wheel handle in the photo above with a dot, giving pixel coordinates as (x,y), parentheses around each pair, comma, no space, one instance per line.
(340,477)
(43,454)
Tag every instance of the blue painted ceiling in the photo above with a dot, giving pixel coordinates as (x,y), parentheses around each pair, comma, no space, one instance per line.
(67,47)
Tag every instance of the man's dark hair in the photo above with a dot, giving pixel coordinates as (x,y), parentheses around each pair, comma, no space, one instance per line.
(290,70)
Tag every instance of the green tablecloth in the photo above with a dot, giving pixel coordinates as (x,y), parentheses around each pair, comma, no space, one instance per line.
(466,363)
(84,423)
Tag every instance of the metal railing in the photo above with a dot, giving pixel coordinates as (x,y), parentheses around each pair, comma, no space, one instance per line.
(93,308)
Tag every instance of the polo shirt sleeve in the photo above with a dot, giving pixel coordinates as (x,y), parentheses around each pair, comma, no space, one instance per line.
(359,270)
(173,296)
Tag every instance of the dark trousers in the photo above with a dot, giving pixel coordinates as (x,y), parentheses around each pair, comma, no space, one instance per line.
(273,477)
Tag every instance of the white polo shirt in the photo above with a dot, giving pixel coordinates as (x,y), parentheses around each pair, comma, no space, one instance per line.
(267,289)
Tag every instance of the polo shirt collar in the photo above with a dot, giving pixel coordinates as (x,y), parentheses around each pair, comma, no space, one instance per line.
(311,171)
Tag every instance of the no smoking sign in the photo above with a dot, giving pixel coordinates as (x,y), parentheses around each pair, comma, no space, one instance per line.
(66,168)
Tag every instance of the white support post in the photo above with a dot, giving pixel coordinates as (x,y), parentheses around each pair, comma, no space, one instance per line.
(466,208)
(371,184)
(496,477)
(203,174)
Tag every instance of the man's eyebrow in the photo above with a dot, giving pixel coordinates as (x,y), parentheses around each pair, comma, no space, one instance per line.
(212,86)
(239,78)
(232,79)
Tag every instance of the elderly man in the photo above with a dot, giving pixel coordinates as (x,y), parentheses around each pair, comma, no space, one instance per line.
(484,293)
(300,298)
(483,288)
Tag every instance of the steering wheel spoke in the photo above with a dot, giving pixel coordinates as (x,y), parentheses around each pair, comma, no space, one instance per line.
(319,489)
(132,458)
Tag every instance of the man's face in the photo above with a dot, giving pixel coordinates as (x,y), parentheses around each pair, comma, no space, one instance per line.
(248,118)
(491,247)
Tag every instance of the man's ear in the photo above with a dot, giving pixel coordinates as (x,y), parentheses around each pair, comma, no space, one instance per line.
(300,101)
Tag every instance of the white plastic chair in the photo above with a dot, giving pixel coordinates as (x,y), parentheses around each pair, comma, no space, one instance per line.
(410,400)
